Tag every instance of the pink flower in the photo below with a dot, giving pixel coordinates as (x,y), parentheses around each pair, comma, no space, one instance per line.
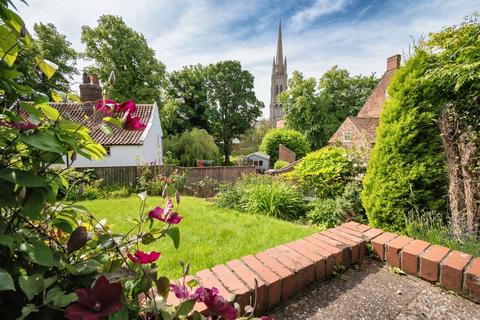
(166,215)
(24,125)
(106,106)
(183,293)
(132,123)
(125,106)
(217,304)
(144,258)
(96,303)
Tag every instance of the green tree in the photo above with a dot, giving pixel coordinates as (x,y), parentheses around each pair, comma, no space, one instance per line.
(53,46)
(433,97)
(318,110)
(291,139)
(252,138)
(234,105)
(191,146)
(187,99)
(114,46)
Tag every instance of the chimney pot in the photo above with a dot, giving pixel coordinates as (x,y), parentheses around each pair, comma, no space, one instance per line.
(393,62)
(90,89)
(86,78)
(94,79)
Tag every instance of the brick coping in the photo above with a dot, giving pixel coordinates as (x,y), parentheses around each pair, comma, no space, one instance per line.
(285,270)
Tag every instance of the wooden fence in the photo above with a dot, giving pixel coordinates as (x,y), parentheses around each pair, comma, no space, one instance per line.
(128,175)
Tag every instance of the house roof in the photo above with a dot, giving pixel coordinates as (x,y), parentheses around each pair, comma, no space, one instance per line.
(367,126)
(83,113)
(259,154)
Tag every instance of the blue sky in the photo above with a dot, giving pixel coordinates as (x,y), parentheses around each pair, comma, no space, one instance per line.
(355,34)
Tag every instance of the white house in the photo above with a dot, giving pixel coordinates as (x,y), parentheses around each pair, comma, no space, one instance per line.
(260,160)
(124,148)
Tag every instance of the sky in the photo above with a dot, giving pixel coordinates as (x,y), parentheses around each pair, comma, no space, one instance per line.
(357,35)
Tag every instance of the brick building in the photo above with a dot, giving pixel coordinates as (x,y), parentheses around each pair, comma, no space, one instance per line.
(360,131)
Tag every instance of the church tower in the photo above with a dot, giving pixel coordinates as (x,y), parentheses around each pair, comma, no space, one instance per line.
(279,80)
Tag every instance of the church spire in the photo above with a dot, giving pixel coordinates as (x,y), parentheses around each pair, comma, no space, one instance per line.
(279,59)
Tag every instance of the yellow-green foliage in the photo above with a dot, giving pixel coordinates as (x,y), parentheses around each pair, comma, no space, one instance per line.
(326,170)
(279,164)
(291,139)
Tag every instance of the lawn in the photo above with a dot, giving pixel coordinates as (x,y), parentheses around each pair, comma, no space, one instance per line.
(209,235)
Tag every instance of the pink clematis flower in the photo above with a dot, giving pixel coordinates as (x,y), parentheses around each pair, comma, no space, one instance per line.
(96,303)
(166,215)
(106,106)
(217,304)
(125,106)
(132,123)
(182,292)
(144,258)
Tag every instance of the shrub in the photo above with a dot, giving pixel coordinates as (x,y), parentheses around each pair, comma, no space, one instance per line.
(263,195)
(190,146)
(175,181)
(205,188)
(327,171)
(279,164)
(331,212)
(291,139)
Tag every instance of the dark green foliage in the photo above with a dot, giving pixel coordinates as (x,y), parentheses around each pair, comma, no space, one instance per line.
(326,171)
(291,139)
(265,195)
(252,138)
(114,46)
(318,111)
(330,212)
(192,146)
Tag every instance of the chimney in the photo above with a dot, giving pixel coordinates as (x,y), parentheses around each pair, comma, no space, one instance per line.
(393,62)
(90,89)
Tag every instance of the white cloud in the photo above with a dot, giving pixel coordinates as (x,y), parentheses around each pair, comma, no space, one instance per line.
(189,32)
(319,8)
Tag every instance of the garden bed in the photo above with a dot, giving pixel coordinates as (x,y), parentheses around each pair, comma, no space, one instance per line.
(209,235)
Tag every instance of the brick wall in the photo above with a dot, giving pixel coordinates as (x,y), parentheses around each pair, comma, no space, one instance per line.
(287,269)
(286,154)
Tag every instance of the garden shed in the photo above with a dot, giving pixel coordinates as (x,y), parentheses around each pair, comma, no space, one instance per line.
(260,160)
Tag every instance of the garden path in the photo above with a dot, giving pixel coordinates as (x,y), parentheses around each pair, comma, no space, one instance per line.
(372,291)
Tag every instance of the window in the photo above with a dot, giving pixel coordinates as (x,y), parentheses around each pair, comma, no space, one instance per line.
(107,148)
(260,163)
(255,163)
(347,136)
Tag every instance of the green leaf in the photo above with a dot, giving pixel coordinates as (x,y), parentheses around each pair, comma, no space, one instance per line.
(185,308)
(7,194)
(34,202)
(22,177)
(113,121)
(47,67)
(27,310)
(163,286)
(58,297)
(174,233)
(122,314)
(106,128)
(8,46)
(31,285)
(77,239)
(58,96)
(38,252)
(49,281)
(30,108)
(7,241)
(40,97)
(44,140)
(49,111)
(6,281)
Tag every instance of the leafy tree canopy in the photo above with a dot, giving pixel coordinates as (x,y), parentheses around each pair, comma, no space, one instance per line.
(114,46)
(317,110)
(291,139)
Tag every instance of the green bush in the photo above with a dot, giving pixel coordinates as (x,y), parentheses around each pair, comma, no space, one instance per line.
(263,195)
(330,212)
(291,139)
(279,164)
(407,170)
(191,146)
(327,171)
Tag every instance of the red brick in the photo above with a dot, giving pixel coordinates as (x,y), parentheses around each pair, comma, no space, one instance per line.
(372,233)
(329,246)
(356,226)
(208,280)
(288,279)
(430,262)
(378,243)
(233,284)
(319,260)
(273,280)
(355,236)
(410,256)
(472,279)
(304,268)
(451,270)
(328,252)
(353,246)
(248,277)
(393,249)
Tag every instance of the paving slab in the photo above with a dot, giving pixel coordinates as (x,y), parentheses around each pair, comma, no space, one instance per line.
(372,291)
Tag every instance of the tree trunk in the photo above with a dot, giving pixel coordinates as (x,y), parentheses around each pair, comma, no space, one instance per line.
(461,153)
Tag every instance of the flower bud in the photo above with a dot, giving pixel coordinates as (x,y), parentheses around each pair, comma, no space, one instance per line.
(164,192)
(177,196)
(112,79)
(81,189)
